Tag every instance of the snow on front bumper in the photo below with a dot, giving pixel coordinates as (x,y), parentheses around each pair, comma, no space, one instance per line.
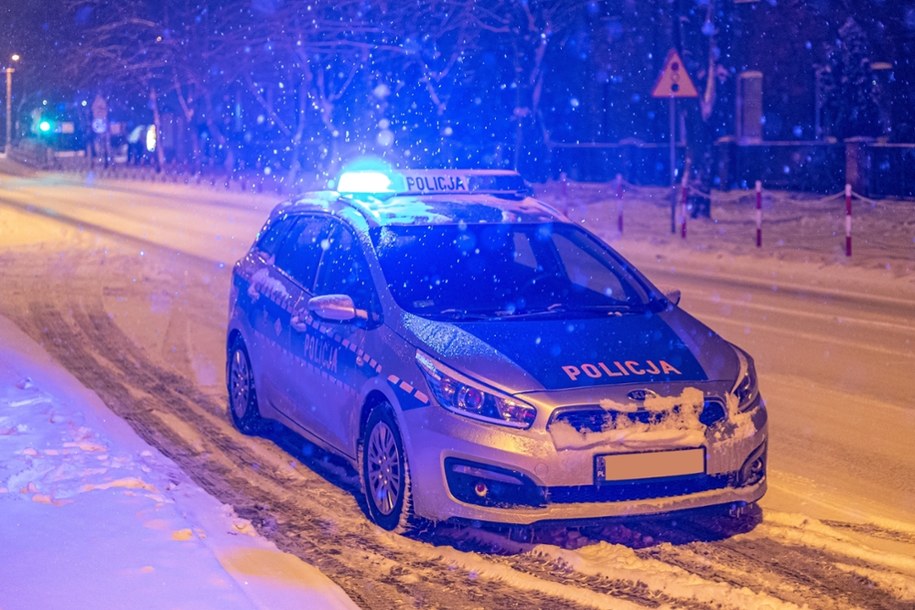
(465,469)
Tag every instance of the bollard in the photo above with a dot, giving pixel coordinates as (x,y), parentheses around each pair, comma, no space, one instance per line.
(758,214)
(684,191)
(847,220)
(619,203)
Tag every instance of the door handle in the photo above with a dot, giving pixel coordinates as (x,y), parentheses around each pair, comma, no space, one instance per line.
(298,324)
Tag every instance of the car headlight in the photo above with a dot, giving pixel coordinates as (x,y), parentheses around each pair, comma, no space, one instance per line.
(746,389)
(474,400)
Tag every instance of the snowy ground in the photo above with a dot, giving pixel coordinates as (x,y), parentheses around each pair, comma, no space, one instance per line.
(125,284)
(93,517)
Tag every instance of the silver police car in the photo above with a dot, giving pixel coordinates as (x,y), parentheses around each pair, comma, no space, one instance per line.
(478,356)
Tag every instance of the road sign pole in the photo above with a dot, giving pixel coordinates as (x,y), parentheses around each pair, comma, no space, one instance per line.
(673,164)
(673,82)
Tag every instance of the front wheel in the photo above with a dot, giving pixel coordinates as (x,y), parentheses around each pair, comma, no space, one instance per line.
(242,395)
(386,473)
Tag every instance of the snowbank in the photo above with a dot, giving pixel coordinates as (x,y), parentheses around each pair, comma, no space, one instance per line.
(93,517)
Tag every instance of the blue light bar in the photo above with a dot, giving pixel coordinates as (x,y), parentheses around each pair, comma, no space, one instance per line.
(432,182)
(364,182)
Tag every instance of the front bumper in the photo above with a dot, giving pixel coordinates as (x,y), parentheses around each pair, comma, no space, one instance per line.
(469,470)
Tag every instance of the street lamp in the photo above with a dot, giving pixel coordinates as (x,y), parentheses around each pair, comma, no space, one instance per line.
(9,102)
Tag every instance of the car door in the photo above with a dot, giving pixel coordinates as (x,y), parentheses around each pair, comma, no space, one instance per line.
(265,305)
(336,366)
(295,265)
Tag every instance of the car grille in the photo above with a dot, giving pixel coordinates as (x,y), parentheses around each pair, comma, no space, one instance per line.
(712,412)
(595,419)
(622,491)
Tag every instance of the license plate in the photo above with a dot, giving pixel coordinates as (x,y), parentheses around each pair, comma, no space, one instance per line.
(653,465)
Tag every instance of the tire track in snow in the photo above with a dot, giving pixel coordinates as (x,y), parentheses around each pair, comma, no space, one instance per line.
(298,526)
(874,530)
(785,569)
(104,359)
(149,397)
(138,390)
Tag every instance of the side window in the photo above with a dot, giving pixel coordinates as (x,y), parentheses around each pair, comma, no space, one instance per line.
(344,270)
(588,272)
(301,251)
(524,254)
(272,236)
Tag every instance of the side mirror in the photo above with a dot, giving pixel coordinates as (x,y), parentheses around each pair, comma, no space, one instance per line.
(674,297)
(333,307)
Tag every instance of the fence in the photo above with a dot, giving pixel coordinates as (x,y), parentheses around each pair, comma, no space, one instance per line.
(892,171)
(639,162)
(874,169)
(817,167)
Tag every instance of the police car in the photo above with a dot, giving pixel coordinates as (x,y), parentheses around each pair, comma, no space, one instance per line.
(478,356)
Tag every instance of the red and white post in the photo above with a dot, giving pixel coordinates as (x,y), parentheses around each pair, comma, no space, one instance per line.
(758,214)
(847,220)
(619,203)
(684,195)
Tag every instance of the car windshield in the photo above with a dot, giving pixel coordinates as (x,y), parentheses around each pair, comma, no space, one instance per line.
(476,271)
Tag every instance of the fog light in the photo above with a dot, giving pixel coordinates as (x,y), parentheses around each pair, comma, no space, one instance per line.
(755,472)
(487,485)
(754,469)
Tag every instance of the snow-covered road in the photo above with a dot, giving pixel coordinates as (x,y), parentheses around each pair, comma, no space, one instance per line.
(125,284)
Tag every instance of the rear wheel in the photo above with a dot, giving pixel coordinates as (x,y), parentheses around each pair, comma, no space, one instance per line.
(385,472)
(242,395)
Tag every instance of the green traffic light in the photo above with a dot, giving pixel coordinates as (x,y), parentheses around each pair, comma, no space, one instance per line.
(44,126)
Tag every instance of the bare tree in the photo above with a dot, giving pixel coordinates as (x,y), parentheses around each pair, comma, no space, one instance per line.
(700,29)
(124,48)
(528,28)
(851,88)
(214,37)
(300,62)
(435,38)
(327,75)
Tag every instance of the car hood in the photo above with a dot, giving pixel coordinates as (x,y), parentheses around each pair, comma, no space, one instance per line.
(558,354)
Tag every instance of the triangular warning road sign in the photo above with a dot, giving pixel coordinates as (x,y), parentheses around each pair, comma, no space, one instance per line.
(674,81)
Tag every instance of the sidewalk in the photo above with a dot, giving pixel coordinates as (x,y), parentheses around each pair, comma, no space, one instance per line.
(93,517)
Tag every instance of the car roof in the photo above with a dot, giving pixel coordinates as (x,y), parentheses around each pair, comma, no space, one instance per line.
(428,197)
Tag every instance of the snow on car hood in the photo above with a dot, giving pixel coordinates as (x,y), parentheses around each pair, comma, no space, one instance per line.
(559,354)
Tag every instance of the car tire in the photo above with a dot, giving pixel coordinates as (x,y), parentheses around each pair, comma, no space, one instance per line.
(386,472)
(243,408)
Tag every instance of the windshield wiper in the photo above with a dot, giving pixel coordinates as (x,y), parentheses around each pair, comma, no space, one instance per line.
(557,310)
(561,309)
(465,314)
(552,310)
